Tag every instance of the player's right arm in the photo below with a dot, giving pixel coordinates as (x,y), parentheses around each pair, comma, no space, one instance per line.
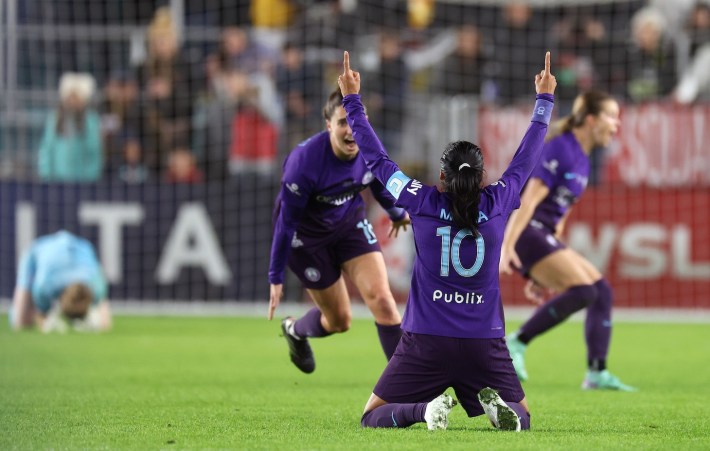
(296,188)
(530,149)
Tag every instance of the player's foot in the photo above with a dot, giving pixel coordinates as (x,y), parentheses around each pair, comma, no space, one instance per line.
(501,415)
(604,380)
(516,348)
(298,348)
(437,412)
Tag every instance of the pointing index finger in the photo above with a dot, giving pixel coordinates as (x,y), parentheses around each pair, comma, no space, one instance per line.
(547,63)
(346,62)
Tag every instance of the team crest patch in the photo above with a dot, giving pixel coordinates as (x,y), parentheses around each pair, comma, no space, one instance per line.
(367,178)
(312,274)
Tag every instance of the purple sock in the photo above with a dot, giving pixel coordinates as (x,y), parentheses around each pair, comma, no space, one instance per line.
(597,328)
(556,310)
(394,416)
(389,338)
(522,414)
(309,325)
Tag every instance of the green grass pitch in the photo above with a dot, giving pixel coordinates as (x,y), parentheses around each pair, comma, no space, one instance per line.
(227,383)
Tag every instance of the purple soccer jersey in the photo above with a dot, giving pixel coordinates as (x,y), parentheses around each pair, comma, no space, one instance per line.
(319,193)
(564,169)
(455,290)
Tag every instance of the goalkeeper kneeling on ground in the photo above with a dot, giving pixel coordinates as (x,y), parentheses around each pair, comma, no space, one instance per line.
(60,285)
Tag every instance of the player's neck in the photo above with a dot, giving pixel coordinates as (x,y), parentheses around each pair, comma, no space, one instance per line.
(585,139)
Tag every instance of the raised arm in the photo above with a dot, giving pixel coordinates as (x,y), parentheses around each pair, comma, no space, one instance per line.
(370,146)
(530,148)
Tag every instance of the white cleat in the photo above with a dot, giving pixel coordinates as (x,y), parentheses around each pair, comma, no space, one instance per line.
(501,415)
(437,412)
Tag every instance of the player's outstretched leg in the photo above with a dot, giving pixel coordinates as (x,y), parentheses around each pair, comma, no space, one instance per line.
(437,412)
(502,416)
(604,380)
(516,348)
(298,347)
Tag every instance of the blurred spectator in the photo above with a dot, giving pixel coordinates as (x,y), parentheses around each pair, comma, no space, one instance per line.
(300,84)
(131,168)
(584,56)
(253,143)
(182,167)
(270,20)
(462,72)
(238,53)
(70,150)
(387,91)
(650,60)
(166,85)
(695,81)
(517,43)
(120,115)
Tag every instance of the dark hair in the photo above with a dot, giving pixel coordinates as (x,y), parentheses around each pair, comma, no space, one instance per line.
(462,165)
(335,100)
(589,103)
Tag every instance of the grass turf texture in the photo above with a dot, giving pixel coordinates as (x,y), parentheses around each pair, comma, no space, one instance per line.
(227,383)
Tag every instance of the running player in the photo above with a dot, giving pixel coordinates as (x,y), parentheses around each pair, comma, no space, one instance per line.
(60,279)
(453,326)
(532,240)
(321,230)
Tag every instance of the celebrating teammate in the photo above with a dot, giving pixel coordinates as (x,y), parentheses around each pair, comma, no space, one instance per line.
(453,325)
(532,240)
(59,280)
(322,231)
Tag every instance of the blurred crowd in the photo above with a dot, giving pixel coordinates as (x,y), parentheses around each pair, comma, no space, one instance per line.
(178,106)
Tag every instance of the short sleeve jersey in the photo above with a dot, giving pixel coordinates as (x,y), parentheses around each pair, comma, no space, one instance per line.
(564,169)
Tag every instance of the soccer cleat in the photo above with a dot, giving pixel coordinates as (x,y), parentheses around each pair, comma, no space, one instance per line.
(499,413)
(516,348)
(437,411)
(604,380)
(298,348)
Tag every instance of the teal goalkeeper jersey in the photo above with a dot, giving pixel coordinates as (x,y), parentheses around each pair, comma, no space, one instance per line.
(55,261)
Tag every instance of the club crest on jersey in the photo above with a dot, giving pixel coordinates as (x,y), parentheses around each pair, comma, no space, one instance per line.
(312,274)
(293,188)
(367,178)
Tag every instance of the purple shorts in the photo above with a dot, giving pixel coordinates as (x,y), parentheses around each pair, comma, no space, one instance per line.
(535,243)
(423,366)
(320,267)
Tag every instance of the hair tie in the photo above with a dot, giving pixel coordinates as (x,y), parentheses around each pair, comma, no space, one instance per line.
(464,165)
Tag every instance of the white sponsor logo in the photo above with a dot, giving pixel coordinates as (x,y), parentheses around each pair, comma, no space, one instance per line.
(551,166)
(414,187)
(293,188)
(295,241)
(458,298)
(499,182)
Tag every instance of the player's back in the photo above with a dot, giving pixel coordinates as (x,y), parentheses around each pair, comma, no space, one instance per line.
(455,289)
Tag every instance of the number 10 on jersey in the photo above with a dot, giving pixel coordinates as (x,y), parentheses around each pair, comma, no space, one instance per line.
(451,252)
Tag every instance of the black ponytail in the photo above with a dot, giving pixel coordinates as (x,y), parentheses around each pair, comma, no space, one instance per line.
(462,165)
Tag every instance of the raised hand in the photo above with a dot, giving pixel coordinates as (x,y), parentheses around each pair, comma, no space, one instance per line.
(545,82)
(349,80)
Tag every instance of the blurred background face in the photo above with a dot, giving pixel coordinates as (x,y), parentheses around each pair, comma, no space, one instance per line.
(234,41)
(468,42)
(606,125)
(74,102)
(341,136)
(648,36)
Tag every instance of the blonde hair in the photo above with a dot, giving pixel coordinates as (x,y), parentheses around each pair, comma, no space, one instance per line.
(75,300)
(589,103)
